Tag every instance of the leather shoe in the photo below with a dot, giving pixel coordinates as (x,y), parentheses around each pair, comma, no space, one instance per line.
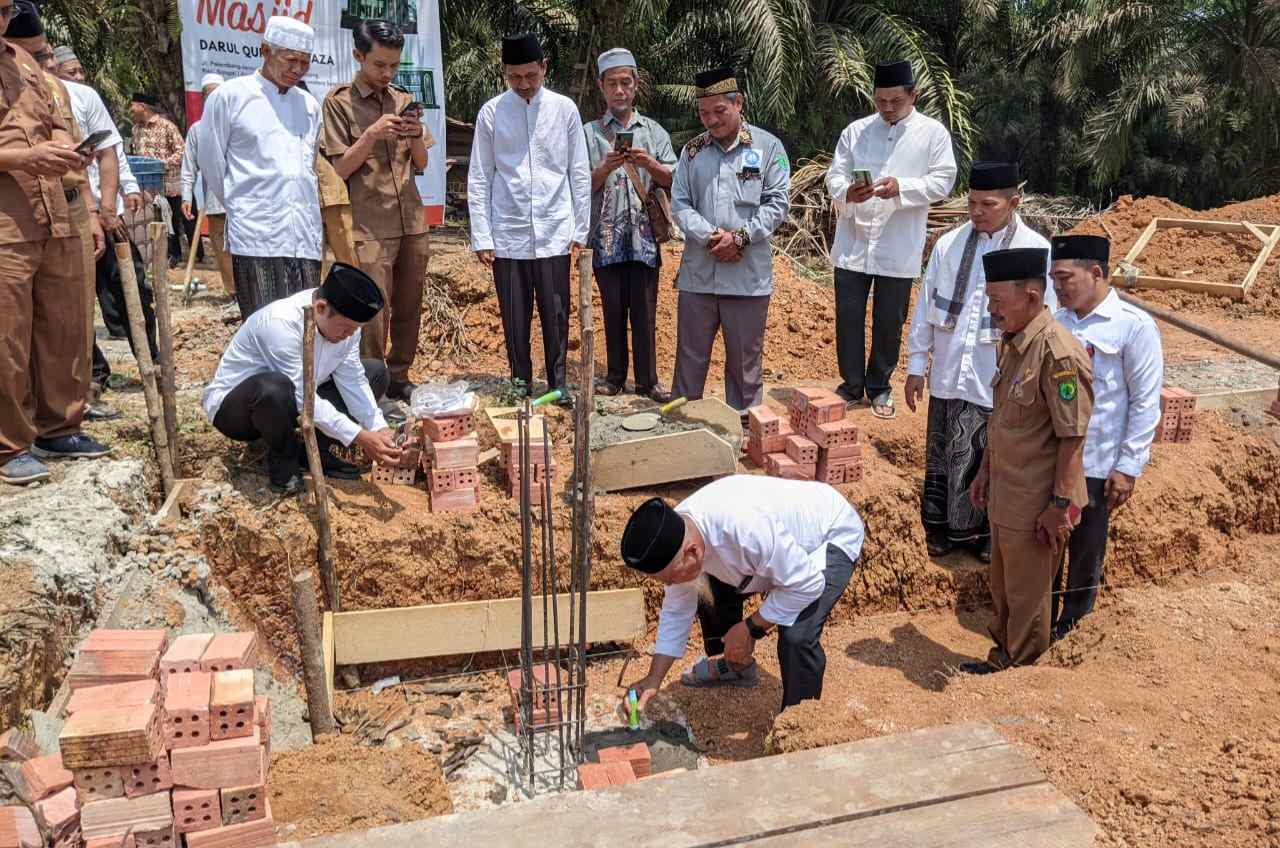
(609,389)
(938,547)
(982,667)
(982,550)
(657,394)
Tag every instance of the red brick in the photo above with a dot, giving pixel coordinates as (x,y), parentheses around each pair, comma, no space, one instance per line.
(114,695)
(538,454)
(1274,409)
(831,474)
(18,828)
(619,773)
(110,842)
(243,804)
(756,452)
(459,500)
(1184,435)
(441,480)
(43,777)
(231,705)
(853,451)
(827,409)
(781,465)
(59,813)
(184,652)
(762,421)
(853,474)
(259,833)
(164,837)
(119,816)
(230,762)
(776,443)
(148,778)
(196,809)
(17,745)
(448,429)
(99,784)
(186,710)
(834,434)
(592,776)
(457,453)
(262,714)
(117,737)
(230,651)
(801,396)
(637,755)
(801,450)
(144,641)
(99,668)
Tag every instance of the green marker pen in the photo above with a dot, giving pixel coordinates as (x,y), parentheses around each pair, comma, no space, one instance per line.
(633,701)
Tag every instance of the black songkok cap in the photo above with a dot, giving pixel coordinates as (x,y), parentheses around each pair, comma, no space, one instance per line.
(989,176)
(653,536)
(352,293)
(146,99)
(1019,263)
(521,49)
(897,72)
(25,22)
(1095,248)
(715,81)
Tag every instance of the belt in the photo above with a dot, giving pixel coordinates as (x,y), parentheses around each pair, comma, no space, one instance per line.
(72,194)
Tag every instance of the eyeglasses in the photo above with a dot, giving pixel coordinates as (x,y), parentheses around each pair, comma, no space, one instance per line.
(8,11)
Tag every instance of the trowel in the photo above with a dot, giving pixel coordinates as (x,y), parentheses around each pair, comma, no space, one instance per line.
(642,421)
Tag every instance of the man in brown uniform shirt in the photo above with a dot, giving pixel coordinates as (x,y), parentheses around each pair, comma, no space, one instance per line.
(42,275)
(378,144)
(1032,477)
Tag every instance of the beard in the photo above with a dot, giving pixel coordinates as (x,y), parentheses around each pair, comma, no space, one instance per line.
(703,584)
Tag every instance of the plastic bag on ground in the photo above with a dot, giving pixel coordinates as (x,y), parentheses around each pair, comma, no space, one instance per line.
(436,399)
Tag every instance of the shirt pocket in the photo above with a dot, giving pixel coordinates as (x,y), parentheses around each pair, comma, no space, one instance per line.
(1023,402)
(748,194)
(1108,365)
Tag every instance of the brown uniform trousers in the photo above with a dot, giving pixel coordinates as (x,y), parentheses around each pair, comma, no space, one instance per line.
(335,213)
(42,275)
(390,230)
(1043,394)
(218,238)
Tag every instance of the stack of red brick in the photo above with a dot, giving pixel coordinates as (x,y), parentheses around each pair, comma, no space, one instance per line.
(406,473)
(162,743)
(1177,415)
(546,704)
(541,460)
(450,459)
(620,765)
(815,442)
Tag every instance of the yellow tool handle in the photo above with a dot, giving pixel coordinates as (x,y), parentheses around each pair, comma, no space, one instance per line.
(672,405)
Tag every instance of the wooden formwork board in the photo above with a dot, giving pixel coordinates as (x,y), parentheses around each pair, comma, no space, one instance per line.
(435,630)
(1268,234)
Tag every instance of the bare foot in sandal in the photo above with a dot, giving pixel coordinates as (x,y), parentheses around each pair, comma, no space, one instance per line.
(882,406)
(707,673)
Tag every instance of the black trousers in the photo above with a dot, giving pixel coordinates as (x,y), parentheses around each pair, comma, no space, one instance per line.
(521,283)
(629,291)
(864,373)
(1085,554)
(182,225)
(101,369)
(265,407)
(110,292)
(800,655)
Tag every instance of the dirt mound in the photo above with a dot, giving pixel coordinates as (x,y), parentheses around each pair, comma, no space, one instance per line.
(336,785)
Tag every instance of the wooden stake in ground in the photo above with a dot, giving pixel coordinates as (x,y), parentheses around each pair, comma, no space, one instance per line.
(585,513)
(325,545)
(164,332)
(191,256)
(147,368)
(307,611)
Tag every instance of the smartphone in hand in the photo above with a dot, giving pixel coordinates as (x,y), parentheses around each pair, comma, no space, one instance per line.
(861,177)
(416,106)
(87,147)
(623,141)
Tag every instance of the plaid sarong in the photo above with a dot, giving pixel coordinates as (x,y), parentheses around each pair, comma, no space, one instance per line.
(262,279)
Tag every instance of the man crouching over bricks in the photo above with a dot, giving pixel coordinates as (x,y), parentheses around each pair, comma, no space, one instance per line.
(743,535)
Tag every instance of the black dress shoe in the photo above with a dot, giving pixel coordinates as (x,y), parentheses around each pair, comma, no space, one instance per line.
(609,389)
(982,667)
(657,394)
(982,550)
(401,390)
(938,547)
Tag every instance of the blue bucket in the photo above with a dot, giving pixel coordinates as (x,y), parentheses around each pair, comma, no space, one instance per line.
(148,171)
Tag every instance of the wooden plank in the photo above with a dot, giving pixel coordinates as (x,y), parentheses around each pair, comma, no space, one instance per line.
(1202,226)
(462,628)
(1258,398)
(798,795)
(169,511)
(1267,246)
(1257,231)
(329,653)
(661,459)
(503,419)
(1144,281)
(1138,246)
(724,420)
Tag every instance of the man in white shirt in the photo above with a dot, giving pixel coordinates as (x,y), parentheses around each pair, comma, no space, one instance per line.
(257,390)
(1128,371)
(952,326)
(214,213)
(257,154)
(887,169)
(743,535)
(529,196)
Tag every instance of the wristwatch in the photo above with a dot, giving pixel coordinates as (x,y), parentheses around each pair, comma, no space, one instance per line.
(757,633)
(740,238)
(1059,502)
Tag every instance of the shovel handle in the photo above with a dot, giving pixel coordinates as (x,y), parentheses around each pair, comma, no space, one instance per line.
(673,405)
(550,397)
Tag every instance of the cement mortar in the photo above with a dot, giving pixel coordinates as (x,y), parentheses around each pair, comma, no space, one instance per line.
(607,430)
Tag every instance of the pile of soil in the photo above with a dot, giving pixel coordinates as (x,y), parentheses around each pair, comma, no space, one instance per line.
(336,785)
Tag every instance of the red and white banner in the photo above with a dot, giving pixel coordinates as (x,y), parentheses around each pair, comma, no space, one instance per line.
(225,37)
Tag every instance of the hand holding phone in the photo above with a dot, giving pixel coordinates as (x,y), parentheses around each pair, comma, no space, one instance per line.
(416,106)
(623,141)
(861,177)
(90,144)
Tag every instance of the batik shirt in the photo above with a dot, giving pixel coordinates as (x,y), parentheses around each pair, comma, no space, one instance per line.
(161,139)
(620,230)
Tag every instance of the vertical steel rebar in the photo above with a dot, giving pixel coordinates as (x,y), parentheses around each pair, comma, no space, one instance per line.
(553,590)
(526,597)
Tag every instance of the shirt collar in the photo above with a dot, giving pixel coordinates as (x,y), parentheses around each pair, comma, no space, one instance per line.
(1108,308)
(743,137)
(537,98)
(636,119)
(362,88)
(903,123)
(1036,327)
(999,234)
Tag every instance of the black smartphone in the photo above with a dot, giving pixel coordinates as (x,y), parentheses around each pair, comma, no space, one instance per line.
(415,106)
(91,143)
(623,141)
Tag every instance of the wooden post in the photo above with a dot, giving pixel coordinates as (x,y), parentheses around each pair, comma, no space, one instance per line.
(192,249)
(147,368)
(582,448)
(164,332)
(325,543)
(307,611)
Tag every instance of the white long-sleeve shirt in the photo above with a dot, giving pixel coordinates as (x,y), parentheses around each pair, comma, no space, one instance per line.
(964,364)
(191,175)
(1128,371)
(529,183)
(762,534)
(271,341)
(886,236)
(92,116)
(257,154)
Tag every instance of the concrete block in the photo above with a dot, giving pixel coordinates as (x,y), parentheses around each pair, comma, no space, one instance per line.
(17,745)
(183,656)
(196,809)
(99,784)
(186,710)
(243,804)
(59,813)
(258,833)
(231,705)
(230,652)
(42,777)
(18,828)
(148,778)
(113,696)
(229,762)
(801,450)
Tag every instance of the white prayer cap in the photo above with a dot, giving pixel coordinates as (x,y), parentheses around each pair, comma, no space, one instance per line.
(289,34)
(618,57)
(63,54)
(210,79)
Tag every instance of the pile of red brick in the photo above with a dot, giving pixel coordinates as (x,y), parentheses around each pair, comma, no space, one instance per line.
(620,765)
(542,462)
(406,473)
(1177,415)
(546,704)
(451,459)
(163,742)
(815,442)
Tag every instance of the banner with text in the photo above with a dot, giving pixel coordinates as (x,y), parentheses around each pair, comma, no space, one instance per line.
(225,37)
